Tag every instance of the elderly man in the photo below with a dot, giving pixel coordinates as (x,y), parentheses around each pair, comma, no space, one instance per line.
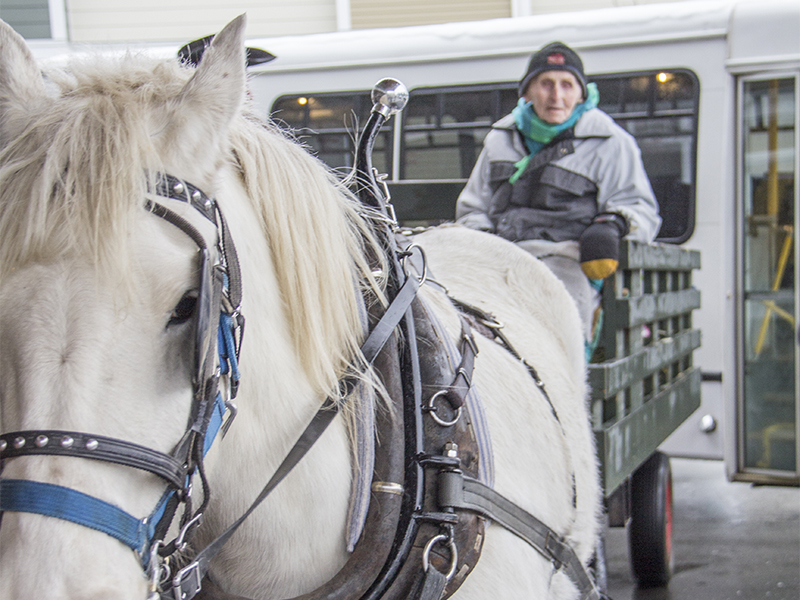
(561,179)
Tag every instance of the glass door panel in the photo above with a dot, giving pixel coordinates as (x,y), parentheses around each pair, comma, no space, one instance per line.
(769,356)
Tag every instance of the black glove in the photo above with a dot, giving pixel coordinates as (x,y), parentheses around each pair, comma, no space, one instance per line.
(599,245)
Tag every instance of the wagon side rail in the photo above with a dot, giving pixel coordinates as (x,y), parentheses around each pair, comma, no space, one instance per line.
(643,380)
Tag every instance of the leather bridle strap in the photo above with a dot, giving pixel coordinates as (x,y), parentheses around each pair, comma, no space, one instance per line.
(187,582)
(96,447)
(457,491)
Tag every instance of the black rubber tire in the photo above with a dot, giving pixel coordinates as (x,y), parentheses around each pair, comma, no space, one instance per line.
(650,527)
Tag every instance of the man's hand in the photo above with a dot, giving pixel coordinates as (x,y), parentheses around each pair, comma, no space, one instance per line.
(599,245)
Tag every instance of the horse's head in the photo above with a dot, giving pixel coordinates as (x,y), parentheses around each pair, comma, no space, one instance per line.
(104,292)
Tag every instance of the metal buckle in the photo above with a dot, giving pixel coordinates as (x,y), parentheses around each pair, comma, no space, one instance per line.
(551,544)
(233,410)
(491,322)
(471,341)
(463,372)
(158,572)
(380,178)
(187,582)
(423,277)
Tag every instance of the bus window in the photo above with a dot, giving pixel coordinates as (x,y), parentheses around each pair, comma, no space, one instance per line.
(329,123)
(660,110)
(443,130)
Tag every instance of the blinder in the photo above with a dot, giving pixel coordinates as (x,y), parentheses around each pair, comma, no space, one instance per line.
(204,315)
(215,310)
(212,260)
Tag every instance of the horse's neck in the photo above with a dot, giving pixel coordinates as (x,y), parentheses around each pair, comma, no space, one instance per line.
(310,504)
(276,403)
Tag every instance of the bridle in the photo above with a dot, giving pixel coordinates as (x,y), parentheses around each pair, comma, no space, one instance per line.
(218,308)
(215,383)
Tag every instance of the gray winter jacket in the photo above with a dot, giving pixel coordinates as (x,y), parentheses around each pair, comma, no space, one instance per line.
(566,184)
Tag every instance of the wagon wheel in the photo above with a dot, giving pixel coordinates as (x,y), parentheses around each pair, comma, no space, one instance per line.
(650,528)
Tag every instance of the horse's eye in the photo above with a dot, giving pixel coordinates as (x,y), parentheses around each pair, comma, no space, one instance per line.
(184,310)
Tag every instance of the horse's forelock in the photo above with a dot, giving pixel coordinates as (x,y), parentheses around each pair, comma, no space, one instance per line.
(72,178)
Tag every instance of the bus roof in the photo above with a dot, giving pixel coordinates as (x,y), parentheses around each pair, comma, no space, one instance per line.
(620,26)
(757,32)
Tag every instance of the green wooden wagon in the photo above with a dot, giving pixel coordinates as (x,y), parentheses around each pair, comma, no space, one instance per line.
(644,385)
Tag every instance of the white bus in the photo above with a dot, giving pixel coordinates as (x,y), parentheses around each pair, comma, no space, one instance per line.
(709,89)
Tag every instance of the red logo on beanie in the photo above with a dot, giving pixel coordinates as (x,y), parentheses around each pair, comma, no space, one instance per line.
(555,59)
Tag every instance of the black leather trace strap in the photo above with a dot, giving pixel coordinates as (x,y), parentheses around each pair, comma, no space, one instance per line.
(432,585)
(458,491)
(96,447)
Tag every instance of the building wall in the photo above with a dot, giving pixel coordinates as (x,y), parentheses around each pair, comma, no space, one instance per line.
(177,20)
(553,6)
(152,21)
(366,14)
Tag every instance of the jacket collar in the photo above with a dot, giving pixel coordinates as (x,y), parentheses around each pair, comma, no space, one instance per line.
(593,124)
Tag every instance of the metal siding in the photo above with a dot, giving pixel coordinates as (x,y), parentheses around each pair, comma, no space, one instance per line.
(539,7)
(177,20)
(366,14)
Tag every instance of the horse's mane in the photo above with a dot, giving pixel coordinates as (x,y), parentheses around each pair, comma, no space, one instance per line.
(72,178)
(319,237)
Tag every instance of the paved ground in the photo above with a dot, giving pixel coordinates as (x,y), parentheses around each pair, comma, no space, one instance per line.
(731,540)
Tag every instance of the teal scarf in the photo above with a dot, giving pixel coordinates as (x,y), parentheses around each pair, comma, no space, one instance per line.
(537,133)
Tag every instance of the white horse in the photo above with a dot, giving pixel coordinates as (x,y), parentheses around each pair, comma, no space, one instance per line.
(96,334)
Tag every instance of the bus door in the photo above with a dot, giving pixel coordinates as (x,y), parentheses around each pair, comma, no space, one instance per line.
(768,357)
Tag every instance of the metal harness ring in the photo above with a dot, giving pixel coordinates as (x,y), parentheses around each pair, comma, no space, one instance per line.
(453,554)
(431,409)
(407,253)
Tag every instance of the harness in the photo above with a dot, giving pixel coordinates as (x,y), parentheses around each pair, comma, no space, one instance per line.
(424,535)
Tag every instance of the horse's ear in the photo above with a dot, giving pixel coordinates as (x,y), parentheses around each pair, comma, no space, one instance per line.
(21,83)
(210,100)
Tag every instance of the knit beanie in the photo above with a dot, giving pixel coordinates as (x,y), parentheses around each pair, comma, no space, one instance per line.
(554,57)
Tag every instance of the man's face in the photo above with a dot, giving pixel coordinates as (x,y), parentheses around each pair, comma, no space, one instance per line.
(554,95)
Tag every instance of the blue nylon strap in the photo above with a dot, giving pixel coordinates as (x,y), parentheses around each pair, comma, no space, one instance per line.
(227,347)
(17,495)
